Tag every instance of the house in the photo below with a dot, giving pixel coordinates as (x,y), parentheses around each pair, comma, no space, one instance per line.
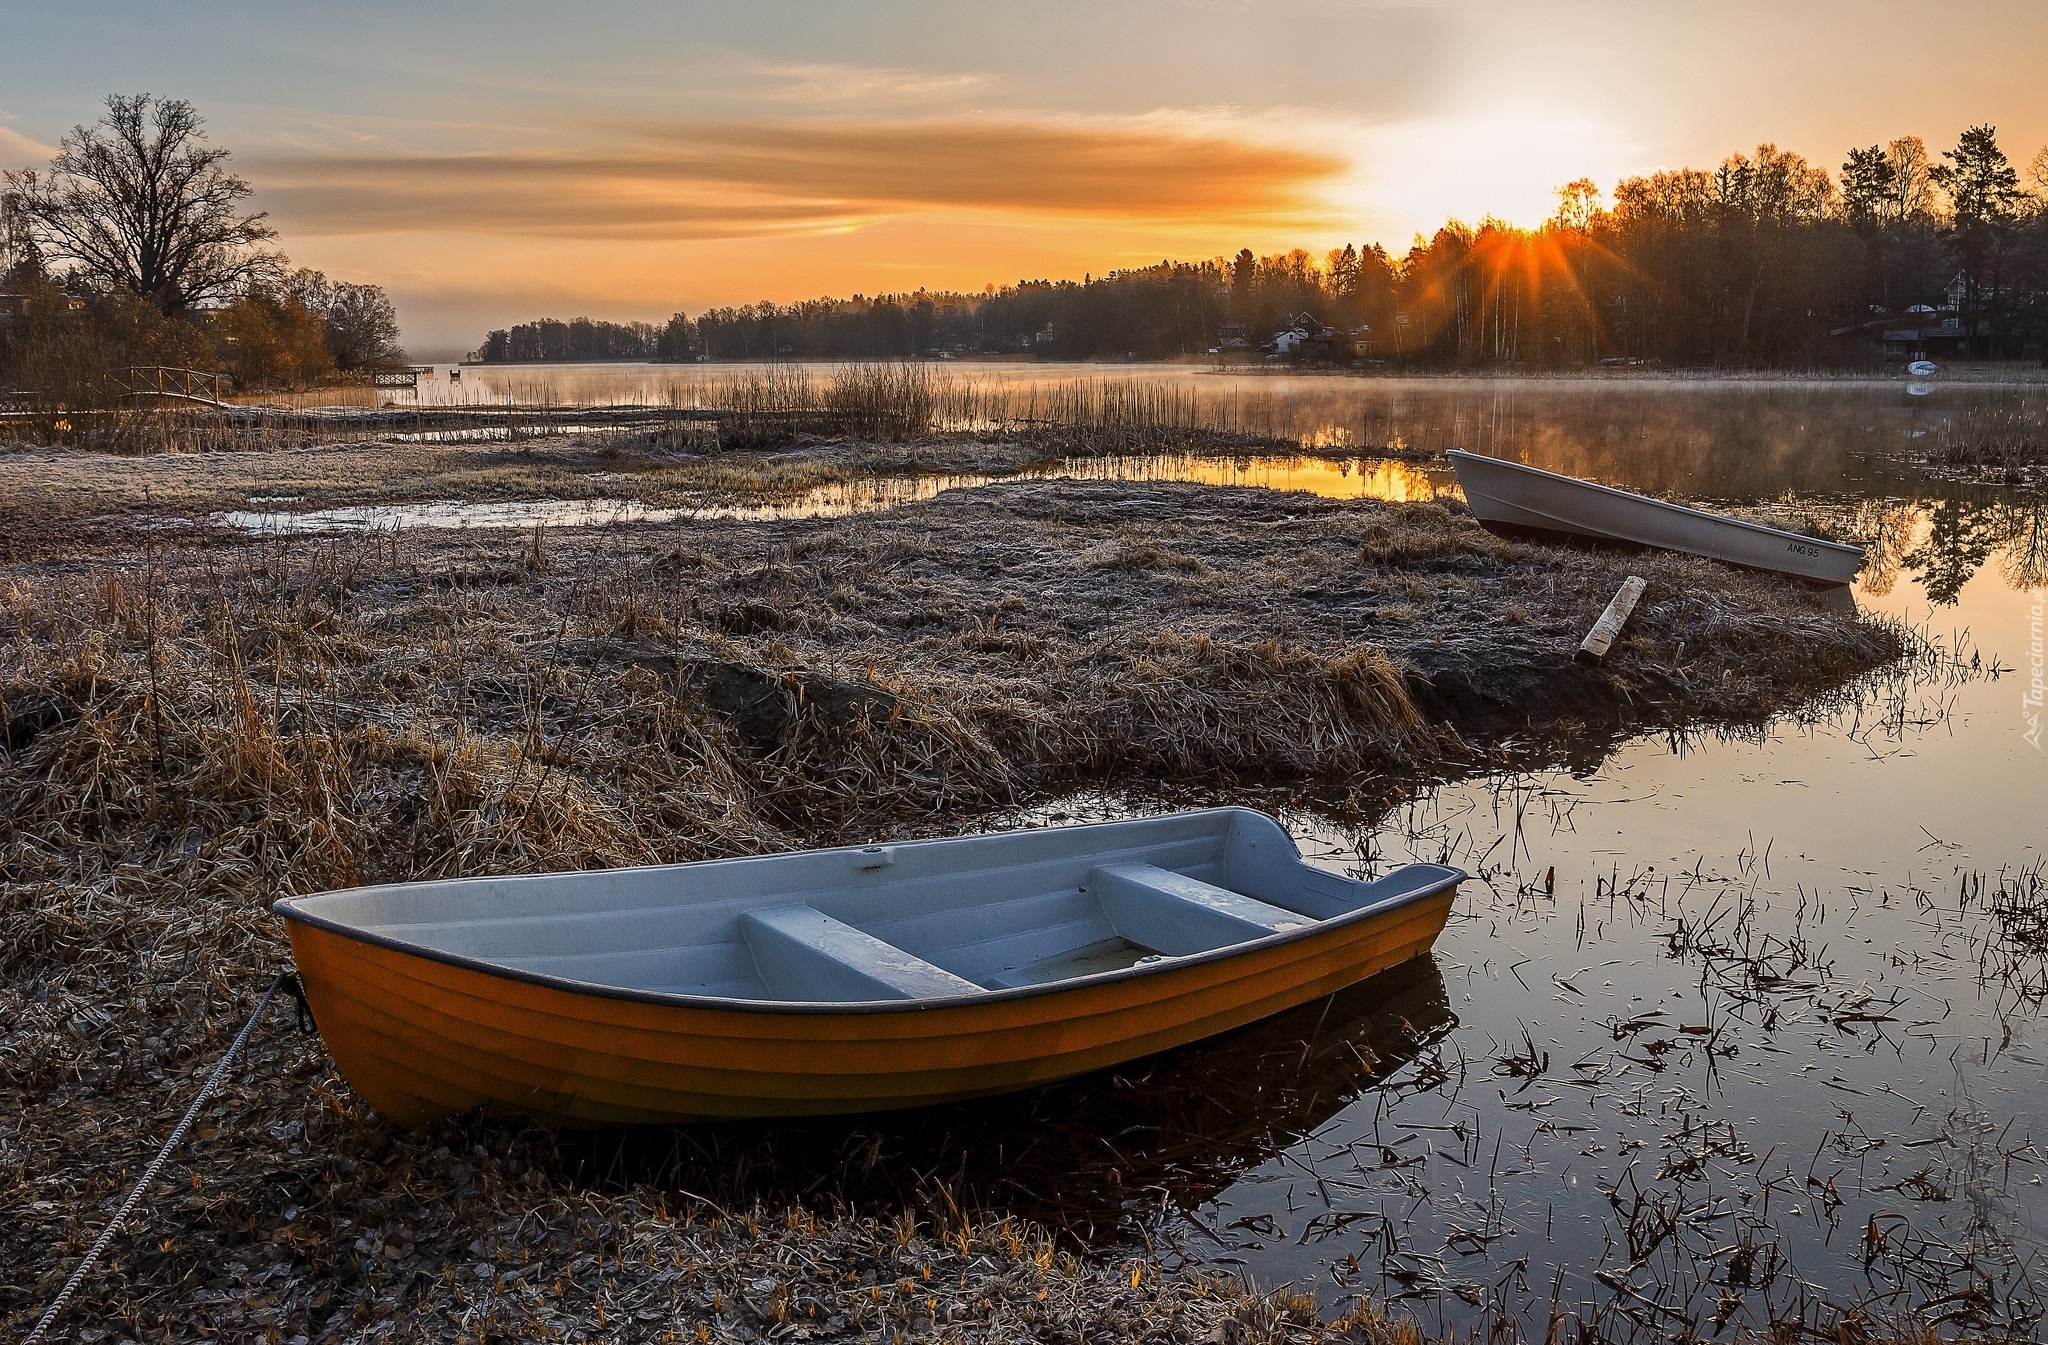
(14,306)
(1306,338)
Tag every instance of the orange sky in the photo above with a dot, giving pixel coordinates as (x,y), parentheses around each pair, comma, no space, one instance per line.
(494,163)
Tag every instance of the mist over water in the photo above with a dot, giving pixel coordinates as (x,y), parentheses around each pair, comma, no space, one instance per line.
(1723,438)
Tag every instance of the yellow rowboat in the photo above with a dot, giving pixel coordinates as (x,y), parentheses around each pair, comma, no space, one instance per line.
(838,981)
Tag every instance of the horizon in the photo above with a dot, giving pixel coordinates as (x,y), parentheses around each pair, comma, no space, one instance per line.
(495,170)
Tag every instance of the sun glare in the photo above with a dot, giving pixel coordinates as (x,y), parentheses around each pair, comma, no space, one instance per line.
(1414,175)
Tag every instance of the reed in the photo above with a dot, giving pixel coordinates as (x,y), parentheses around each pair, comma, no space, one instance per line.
(771,406)
(2008,445)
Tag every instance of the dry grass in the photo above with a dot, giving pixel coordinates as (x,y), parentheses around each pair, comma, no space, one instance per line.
(186,735)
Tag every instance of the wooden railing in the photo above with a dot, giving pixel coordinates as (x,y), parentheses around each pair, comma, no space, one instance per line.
(190,385)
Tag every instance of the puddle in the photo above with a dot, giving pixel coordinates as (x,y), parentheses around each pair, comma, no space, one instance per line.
(495,434)
(1359,478)
(453,514)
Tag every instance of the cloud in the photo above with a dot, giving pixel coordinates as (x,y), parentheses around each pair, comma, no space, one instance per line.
(18,151)
(825,83)
(748,179)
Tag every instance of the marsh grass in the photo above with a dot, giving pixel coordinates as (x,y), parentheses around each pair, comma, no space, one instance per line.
(187,734)
(2006,446)
(754,408)
(772,406)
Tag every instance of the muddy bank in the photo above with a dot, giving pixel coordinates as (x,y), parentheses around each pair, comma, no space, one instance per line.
(188,733)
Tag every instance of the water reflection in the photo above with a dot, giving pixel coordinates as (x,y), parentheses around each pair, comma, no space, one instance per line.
(1959,538)
(1090,1157)
(1362,478)
(1944,543)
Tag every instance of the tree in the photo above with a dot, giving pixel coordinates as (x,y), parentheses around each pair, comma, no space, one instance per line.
(1981,182)
(1984,191)
(362,327)
(139,202)
(19,257)
(271,338)
(678,339)
(1244,267)
(1578,204)
(1912,181)
(1869,186)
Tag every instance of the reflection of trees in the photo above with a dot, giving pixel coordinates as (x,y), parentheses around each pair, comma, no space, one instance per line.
(1088,1156)
(1884,529)
(1960,537)
(2023,559)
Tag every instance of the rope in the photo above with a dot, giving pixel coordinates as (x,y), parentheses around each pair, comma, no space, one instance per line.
(149,1174)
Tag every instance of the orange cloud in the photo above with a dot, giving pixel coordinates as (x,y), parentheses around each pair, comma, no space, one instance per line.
(705,180)
(17,150)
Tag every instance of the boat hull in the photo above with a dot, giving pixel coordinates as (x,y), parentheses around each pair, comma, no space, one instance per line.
(421,1037)
(1513,500)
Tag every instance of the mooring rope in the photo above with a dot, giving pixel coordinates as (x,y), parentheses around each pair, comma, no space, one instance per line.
(163,1155)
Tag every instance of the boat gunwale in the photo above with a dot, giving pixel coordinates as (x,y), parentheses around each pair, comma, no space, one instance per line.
(1846,548)
(287,907)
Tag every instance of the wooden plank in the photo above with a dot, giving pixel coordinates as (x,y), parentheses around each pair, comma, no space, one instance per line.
(1601,638)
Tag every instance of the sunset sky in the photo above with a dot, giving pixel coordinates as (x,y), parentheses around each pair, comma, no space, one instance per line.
(490,163)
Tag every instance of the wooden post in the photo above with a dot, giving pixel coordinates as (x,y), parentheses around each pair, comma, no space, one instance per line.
(1599,639)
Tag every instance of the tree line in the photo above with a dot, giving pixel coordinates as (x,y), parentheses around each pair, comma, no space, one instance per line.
(553,340)
(134,247)
(1765,259)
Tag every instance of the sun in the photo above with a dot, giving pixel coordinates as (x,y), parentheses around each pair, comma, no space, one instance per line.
(1412,176)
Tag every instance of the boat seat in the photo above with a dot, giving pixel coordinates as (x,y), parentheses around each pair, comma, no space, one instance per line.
(1174,914)
(805,954)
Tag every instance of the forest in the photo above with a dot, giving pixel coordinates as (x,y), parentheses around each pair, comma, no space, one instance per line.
(1766,260)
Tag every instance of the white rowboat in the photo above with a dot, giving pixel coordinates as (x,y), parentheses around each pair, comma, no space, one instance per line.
(1513,500)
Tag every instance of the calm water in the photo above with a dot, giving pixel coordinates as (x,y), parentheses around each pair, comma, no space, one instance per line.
(1726,1030)
(1727,437)
(1743,1029)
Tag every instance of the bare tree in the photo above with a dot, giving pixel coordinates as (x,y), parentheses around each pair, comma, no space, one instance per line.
(18,252)
(1913,196)
(362,326)
(138,201)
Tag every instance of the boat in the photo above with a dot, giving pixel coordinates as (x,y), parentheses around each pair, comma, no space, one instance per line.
(1511,499)
(838,981)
